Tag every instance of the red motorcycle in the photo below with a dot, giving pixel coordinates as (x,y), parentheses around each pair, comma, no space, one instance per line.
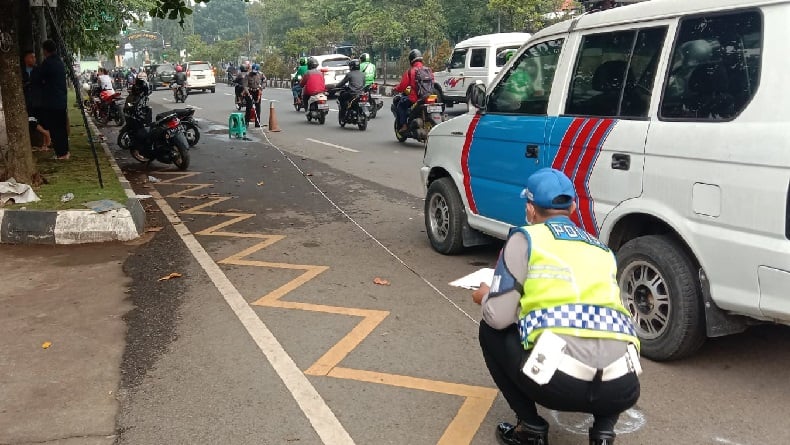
(106,108)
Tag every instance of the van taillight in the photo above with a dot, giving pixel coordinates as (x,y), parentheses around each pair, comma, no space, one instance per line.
(321,101)
(787,214)
(187,73)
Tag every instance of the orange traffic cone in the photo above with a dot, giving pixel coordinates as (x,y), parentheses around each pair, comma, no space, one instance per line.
(273,118)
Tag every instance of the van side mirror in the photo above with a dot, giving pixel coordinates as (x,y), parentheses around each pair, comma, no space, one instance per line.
(477,96)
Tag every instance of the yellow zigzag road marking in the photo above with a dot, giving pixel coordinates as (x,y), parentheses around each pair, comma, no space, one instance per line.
(477,399)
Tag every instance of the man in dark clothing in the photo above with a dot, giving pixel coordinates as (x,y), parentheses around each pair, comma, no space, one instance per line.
(39,136)
(50,79)
(354,84)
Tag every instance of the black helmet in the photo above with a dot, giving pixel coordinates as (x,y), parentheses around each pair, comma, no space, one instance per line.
(243,68)
(353,65)
(415,55)
(365,57)
(312,63)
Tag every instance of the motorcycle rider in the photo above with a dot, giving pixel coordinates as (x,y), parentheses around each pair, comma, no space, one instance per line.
(105,81)
(354,83)
(240,79)
(296,88)
(179,79)
(312,82)
(408,83)
(368,68)
(253,92)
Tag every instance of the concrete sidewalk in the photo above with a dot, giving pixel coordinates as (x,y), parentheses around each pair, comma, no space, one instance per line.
(73,297)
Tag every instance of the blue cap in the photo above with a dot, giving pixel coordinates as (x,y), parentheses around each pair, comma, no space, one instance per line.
(546,185)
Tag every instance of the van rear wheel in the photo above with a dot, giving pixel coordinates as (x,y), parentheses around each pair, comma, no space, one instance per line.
(659,285)
(444,217)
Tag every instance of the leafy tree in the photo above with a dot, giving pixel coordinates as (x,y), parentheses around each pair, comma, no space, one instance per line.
(527,15)
(220,20)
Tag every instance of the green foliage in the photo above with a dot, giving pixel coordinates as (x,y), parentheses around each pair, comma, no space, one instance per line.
(526,15)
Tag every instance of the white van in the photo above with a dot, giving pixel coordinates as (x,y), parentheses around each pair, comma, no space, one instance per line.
(671,119)
(479,58)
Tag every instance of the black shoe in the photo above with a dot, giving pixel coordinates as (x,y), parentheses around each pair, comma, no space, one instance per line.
(522,434)
(601,437)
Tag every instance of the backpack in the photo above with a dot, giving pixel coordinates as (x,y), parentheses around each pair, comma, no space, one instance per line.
(423,77)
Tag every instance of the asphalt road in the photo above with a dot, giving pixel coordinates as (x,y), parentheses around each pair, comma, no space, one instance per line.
(300,230)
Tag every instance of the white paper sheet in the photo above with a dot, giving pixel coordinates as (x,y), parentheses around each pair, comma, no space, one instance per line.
(473,280)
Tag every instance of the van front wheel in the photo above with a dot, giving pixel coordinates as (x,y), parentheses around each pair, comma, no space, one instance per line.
(444,216)
(659,286)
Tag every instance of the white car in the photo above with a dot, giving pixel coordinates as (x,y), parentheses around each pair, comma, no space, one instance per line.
(334,67)
(200,76)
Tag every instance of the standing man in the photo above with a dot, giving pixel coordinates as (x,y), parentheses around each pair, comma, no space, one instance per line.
(554,328)
(50,78)
(39,136)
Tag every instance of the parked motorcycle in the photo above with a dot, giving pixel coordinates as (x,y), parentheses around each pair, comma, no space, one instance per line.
(317,108)
(106,108)
(355,112)
(185,115)
(376,102)
(180,93)
(162,139)
(424,115)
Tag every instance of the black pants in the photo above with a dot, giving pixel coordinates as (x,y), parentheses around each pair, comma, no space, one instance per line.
(253,99)
(345,98)
(505,356)
(57,122)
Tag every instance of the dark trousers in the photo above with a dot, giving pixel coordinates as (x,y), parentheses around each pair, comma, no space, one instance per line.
(505,356)
(253,99)
(404,108)
(57,122)
(345,98)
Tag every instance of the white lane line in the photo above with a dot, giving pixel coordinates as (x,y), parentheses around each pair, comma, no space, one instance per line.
(725,441)
(194,106)
(332,145)
(229,94)
(326,425)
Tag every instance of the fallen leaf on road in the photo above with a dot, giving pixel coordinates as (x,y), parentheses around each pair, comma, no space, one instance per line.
(260,183)
(308,174)
(172,275)
(154,229)
(381,281)
(46,344)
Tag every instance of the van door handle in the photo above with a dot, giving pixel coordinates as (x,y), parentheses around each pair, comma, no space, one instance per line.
(532,151)
(621,161)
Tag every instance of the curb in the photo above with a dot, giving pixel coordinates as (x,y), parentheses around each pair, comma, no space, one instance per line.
(76,226)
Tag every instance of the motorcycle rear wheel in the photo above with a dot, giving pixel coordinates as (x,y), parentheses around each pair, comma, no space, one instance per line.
(362,121)
(124,139)
(120,119)
(182,160)
(340,120)
(192,133)
(322,118)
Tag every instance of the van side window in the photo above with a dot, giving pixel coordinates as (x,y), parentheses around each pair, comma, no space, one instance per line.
(478,58)
(526,87)
(458,60)
(715,67)
(502,54)
(614,73)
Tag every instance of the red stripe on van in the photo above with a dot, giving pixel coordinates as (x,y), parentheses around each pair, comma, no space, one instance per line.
(577,147)
(565,144)
(470,132)
(581,180)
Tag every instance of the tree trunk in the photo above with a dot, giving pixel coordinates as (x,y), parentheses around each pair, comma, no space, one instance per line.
(25,26)
(17,155)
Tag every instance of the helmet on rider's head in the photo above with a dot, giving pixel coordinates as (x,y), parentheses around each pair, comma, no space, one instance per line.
(255,67)
(353,65)
(140,86)
(302,61)
(179,69)
(415,56)
(243,68)
(312,63)
(365,57)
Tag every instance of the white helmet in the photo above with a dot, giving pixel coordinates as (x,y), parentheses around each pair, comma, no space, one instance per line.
(86,87)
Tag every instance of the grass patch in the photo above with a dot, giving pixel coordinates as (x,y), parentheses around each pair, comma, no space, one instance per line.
(76,175)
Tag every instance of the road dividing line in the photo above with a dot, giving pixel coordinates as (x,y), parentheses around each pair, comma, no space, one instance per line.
(324,421)
(194,106)
(332,145)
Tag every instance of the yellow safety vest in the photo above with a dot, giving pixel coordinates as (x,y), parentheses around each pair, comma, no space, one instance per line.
(571,286)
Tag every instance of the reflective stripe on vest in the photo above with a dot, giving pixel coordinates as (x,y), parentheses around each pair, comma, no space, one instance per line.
(571,286)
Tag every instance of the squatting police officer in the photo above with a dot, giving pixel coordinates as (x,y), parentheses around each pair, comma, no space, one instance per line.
(554,330)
